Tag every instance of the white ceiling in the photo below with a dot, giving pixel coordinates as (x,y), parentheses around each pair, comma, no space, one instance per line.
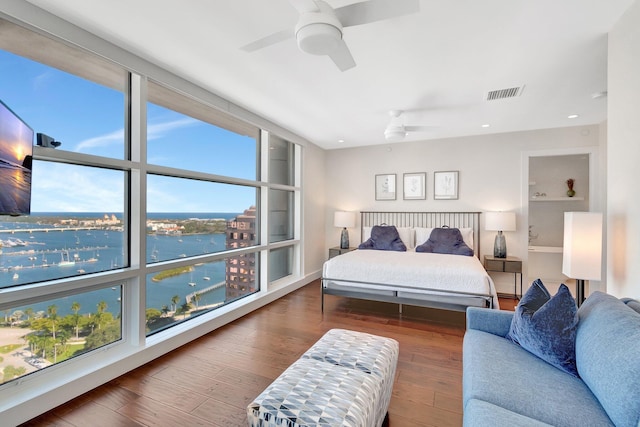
(438,64)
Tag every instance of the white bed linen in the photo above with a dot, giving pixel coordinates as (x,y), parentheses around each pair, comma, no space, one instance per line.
(410,270)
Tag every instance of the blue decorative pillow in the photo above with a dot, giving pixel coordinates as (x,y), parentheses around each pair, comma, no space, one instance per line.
(546,326)
(384,238)
(631,303)
(445,241)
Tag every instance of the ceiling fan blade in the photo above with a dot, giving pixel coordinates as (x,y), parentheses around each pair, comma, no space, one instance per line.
(418,128)
(342,57)
(268,41)
(375,10)
(304,6)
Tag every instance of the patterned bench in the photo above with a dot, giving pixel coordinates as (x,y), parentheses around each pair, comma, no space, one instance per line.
(344,379)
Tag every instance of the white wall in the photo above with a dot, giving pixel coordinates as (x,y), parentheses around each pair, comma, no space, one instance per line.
(490,179)
(623,204)
(313,172)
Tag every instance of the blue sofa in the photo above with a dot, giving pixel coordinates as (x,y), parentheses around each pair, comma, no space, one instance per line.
(505,385)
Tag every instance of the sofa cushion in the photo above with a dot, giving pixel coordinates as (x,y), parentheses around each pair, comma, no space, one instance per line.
(608,356)
(502,373)
(480,413)
(546,326)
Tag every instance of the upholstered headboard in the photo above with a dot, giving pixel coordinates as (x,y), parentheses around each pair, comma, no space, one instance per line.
(425,220)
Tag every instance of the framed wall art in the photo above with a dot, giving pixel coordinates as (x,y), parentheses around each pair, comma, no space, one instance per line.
(386,186)
(445,185)
(414,186)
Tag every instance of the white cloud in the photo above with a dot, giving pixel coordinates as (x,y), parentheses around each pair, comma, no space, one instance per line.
(154,131)
(115,137)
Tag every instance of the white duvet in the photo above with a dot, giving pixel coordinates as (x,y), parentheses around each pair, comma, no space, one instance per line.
(410,271)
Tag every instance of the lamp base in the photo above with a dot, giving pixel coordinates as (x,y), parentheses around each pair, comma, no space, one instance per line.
(344,239)
(579,292)
(500,246)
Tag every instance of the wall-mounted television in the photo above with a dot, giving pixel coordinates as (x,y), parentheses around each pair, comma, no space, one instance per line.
(16,159)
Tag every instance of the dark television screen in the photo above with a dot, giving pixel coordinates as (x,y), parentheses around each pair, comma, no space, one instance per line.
(16,158)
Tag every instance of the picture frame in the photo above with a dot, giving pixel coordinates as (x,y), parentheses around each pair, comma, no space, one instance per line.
(445,185)
(414,186)
(386,186)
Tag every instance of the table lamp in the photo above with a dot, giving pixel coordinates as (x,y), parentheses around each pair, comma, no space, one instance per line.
(500,221)
(345,220)
(582,249)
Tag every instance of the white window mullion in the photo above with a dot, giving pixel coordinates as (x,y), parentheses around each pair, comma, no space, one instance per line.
(135,293)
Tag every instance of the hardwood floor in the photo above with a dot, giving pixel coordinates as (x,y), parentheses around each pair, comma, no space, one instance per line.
(210,381)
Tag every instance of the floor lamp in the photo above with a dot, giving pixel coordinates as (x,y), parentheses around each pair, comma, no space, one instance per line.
(582,249)
(344,220)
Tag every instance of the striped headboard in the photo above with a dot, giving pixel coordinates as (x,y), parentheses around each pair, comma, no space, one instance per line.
(425,219)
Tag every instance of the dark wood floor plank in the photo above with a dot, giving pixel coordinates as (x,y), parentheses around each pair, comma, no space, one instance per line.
(210,381)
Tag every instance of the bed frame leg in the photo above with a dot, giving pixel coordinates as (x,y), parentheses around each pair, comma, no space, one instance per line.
(400,308)
(321,298)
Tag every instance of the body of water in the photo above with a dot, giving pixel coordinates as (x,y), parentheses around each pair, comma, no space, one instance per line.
(31,257)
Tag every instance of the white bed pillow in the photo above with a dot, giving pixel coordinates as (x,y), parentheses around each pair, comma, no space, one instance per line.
(407,235)
(423,233)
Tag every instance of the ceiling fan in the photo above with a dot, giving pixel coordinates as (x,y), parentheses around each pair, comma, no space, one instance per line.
(319,28)
(396,129)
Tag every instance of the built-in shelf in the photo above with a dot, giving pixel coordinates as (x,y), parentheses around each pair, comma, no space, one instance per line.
(556,199)
(546,249)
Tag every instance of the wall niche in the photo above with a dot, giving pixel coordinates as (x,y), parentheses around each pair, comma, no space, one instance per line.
(548,201)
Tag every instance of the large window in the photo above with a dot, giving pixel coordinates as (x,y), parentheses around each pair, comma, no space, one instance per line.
(187,217)
(50,331)
(156,209)
(190,135)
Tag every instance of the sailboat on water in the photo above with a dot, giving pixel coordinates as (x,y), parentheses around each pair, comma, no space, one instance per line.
(192,283)
(64,260)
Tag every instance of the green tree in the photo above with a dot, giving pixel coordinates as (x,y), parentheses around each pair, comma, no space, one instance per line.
(17,315)
(174,302)
(52,313)
(196,299)
(29,313)
(104,336)
(165,310)
(152,314)
(102,307)
(75,307)
(184,309)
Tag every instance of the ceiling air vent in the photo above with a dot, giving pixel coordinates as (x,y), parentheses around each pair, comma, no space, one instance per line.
(504,93)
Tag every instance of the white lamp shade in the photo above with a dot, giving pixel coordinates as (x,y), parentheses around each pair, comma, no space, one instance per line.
(344,219)
(500,221)
(582,247)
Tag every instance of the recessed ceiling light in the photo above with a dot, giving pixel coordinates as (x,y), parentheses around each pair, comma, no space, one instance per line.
(572,116)
(341,141)
(486,125)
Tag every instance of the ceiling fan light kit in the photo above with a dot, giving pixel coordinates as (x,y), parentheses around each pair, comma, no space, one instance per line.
(319,27)
(396,129)
(395,133)
(318,39)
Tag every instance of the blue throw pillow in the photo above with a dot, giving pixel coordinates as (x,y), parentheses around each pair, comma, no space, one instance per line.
(384,238)
(546,326)
(445,241)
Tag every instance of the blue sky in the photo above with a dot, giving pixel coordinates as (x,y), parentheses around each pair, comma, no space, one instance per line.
(89,118)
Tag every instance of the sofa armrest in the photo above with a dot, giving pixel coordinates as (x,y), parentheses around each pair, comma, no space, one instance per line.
(495,322)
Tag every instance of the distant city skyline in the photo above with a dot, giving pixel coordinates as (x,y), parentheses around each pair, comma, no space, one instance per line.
(89,118)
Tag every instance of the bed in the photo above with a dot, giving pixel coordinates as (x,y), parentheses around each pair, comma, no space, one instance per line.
(436,280)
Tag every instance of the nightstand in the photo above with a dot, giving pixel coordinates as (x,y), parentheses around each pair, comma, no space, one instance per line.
(339,251)
(509,264)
